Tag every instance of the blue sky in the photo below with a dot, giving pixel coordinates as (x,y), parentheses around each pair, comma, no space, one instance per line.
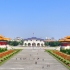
(44,18)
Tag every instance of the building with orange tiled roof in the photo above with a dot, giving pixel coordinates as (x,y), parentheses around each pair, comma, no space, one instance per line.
(65,41)
(3,40)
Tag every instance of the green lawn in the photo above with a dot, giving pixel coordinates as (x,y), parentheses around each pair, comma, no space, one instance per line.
(6,58)
(50,53)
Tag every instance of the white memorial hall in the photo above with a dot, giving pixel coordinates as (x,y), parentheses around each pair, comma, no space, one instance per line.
(33,41)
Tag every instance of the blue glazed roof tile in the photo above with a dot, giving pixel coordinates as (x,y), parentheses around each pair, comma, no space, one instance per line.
(34,38)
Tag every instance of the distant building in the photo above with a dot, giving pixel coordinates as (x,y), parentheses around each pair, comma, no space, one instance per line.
(49,39)
(18,39)
(33,41)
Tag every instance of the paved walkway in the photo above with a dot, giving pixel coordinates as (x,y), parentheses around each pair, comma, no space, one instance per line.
(32,60)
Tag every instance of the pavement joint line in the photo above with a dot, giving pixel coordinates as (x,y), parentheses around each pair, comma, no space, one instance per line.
(11,68)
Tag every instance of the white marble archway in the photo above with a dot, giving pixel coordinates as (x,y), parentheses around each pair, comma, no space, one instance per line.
(33,43)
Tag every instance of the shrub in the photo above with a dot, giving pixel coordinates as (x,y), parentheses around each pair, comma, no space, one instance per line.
(61,56)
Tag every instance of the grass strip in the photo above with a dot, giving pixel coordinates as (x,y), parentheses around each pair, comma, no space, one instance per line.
(59,60)
(16,51)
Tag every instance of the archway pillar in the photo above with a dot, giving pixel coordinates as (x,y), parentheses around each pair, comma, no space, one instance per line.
(36,44)
(40,44)
(31,44)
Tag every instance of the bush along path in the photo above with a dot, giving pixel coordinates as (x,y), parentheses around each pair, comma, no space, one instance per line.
(67,51)
(3,49)
(63,58)
(4,56)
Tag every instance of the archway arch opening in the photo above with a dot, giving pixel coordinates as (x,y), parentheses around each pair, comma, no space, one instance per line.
(38,44)
(33,44)
(42,45)
(29,44)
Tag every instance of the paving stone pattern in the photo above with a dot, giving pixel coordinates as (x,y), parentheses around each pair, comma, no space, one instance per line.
(32,59)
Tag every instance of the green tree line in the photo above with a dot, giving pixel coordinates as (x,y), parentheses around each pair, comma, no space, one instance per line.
(54,43)
(15,43)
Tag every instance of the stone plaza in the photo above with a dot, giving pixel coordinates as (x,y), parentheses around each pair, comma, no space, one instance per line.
(32,59)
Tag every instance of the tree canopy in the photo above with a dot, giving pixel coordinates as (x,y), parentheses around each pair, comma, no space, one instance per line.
(54,43)
(15,43)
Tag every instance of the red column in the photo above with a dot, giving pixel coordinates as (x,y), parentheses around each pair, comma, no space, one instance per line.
(1,43)
(5,43)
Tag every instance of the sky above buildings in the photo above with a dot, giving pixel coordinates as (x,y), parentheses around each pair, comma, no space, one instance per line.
(44,18)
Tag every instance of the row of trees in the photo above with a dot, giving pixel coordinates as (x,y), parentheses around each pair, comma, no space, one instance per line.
(15,43)
(54,43)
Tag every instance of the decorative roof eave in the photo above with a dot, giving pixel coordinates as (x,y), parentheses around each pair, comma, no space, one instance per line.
(67,37)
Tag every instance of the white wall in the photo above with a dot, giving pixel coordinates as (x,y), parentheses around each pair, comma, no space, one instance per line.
(33,41)
(4,46)
(66,47)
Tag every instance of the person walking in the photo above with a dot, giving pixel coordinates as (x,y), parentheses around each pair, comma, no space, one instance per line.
(35,62)
(42,67)
(16,58)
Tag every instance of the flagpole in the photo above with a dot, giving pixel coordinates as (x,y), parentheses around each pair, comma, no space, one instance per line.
(33,34)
